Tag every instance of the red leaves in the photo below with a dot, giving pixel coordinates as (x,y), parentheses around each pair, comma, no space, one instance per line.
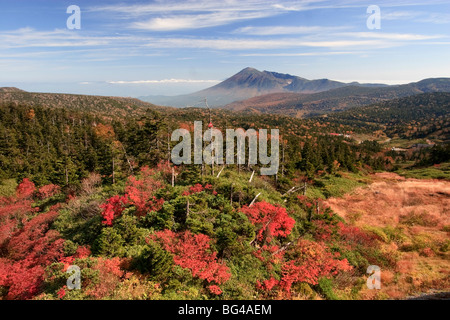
(141,192)
(273,221)
(355,236)
(312,261)
(48,191)
(215,289)
(25,189)
(113,208)
(267,285)
(192,251)
(61,293)
(29,251)
(109,273)
(197,189)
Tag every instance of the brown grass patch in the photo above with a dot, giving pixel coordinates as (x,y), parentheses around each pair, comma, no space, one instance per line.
(412,217)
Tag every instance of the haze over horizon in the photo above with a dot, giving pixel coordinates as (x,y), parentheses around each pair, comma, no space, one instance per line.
(142,48)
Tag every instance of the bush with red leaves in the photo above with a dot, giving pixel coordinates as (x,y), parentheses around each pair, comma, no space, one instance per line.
(192,251)
(113,208)
(48,191)
(25,189)
(197,188)
(311,262)
(27,253)
(141,192)
(271,221)
(355,236)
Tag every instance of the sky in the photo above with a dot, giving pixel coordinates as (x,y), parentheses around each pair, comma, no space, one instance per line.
(141,48)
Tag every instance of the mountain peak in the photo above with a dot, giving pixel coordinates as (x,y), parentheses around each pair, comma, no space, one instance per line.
(249,69)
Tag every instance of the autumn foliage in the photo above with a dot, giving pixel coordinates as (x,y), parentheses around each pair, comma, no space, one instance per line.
(113,208)
(192,251)
(311,261)
(272,221)
(141,192)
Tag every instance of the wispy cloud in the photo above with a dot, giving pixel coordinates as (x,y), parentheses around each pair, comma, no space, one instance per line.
(299,54)
(99,46)
(28,37)
(282,30)
(164,81)
(184,22)
(197,14)
(417,16)
(391,36)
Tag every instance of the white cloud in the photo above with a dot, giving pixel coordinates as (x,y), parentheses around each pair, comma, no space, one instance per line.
(196,14)
(277,30)
(164,81)
(28,37)
(417,16)
(391,36)
(183,22)
(301,54)
(266,44)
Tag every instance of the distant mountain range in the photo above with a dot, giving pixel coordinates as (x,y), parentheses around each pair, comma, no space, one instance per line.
(249,91)
(304,105)
(257,91)
(249,83)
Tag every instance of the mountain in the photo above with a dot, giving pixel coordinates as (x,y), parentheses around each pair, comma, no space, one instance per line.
(100,105)
(304,105)
(249,83)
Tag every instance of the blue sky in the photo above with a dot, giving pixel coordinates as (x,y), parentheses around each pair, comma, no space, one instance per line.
(137,48)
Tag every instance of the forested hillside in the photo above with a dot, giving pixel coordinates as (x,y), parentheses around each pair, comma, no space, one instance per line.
(420,116)
(96,190)
(308,105)
(98,105)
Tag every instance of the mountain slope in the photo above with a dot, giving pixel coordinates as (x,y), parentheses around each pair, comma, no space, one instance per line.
(100,105)
(425,115)
(249,83)
(301,105)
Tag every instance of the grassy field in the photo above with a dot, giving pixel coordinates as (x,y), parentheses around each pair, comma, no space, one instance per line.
(441,172)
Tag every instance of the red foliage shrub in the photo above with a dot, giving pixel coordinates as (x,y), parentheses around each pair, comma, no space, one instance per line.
(113,208)
(48,191)
(311,261)
(323,231)
(269,254)
(62,292)
(81,253)
(272,221)
(267,285)
(197,189)
(192,251)
(355,236)
(109,273)
(28,251)
(25,189)
(141,192)
(215,289)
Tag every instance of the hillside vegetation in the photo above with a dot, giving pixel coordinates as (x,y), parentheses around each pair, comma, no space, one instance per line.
(96,190)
